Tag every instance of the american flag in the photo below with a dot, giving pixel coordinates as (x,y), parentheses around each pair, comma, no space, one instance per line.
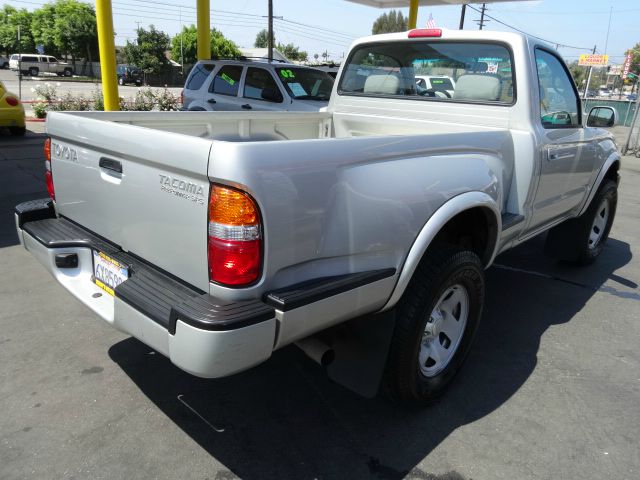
(431,23)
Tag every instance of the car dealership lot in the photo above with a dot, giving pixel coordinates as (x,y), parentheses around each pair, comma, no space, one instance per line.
(65,86)
(551,389)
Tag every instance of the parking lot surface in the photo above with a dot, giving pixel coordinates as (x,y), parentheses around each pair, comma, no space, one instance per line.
(550,391)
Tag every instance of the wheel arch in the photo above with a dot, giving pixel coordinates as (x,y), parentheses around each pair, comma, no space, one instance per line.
(470,219)
(608,171)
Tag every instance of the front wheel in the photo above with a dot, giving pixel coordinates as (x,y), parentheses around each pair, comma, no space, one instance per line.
(436,322)
(582,239)
(68,72)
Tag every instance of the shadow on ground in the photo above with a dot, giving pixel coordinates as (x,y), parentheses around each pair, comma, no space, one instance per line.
(284,419)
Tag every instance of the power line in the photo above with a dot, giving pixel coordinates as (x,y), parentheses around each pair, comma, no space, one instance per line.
(526,33)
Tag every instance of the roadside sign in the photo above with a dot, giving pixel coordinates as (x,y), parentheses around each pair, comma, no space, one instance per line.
(593,60)
(40,49)
(615,70)
(627,66)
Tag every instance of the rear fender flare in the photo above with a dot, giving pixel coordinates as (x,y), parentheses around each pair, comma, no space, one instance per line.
(613,158)
(438,220)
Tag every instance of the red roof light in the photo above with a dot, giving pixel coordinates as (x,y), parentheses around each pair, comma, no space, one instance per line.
(425,32)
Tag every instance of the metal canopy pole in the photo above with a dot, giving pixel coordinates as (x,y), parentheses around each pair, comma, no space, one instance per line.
(204,30)
(106,44)
(413,14)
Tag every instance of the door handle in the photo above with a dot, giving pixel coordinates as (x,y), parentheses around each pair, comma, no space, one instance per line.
(211,100)
(246,106)
(110,164)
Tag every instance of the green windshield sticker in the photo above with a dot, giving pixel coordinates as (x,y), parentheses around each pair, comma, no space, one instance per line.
(228,79)
(287,74)
(436,82)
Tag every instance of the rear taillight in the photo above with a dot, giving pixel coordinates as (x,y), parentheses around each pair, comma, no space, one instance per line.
(235,237)
(48,176)
(13,101)
(181,97)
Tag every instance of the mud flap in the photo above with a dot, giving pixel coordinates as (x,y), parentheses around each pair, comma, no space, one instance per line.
(361,347)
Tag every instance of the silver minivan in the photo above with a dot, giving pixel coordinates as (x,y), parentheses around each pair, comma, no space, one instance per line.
(234,85)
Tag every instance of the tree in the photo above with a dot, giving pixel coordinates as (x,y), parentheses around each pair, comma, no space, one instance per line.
(148,53)
(389,23)
(292,52)
(220,46)
(262,39)
(10,19)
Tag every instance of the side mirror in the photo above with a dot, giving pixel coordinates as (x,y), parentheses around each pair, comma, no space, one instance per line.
(603,117)
(271,95)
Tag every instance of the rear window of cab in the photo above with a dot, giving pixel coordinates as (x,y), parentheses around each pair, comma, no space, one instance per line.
(480,72)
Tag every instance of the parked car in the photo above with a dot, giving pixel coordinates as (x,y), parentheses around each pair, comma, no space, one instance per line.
(360,233)
(604,92)
(4,62)
(11,112)
(255,85)
(129,74)
(33,64)
(437,83)
(632,97)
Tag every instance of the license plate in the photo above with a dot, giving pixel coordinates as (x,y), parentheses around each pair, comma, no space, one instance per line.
(107,272)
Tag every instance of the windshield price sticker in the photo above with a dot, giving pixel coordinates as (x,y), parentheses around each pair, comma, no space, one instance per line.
(298,90)
(228,79)
(287,74)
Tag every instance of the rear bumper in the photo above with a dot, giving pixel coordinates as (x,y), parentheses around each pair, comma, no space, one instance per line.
(202,335)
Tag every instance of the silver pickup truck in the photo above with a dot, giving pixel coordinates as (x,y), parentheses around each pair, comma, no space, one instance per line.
(360,233)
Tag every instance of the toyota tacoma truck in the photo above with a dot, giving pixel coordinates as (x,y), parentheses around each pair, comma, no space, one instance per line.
(359,233)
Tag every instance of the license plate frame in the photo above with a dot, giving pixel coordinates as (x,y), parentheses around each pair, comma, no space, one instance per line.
(108,272)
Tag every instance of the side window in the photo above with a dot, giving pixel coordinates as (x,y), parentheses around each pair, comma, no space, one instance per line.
(260,85)
(198,75)
(52,60)
(227,80)
(30,59)
(559,105)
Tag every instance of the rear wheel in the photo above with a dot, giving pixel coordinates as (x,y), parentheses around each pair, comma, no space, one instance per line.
(33,71)
(120,81)
(68,72)
(436,321)
(18,131)
(581,240)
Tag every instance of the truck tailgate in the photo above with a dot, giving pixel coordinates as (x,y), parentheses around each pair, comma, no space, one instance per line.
(145,190)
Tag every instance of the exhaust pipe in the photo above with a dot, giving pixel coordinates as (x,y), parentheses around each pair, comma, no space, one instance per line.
(317,350)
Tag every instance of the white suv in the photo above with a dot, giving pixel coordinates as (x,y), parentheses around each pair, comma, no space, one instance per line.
(33,64)
(4,62)
(255,85)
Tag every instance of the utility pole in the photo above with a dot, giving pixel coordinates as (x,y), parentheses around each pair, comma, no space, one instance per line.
(270,44)
(181,46)
(462,14)
(586,87)
(484,7)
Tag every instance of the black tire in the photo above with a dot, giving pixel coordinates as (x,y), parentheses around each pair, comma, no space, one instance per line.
(18,131)
(68,72)
(33,71)
(5,65)
(120,81)
(572,241)
(443,268)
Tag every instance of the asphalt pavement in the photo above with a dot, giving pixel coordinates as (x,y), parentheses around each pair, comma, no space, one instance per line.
(550,391)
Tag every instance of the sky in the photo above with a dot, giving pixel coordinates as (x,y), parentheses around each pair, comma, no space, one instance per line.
(331,25)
